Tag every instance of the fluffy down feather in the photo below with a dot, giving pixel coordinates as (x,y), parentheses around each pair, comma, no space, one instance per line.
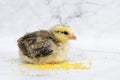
(45,46)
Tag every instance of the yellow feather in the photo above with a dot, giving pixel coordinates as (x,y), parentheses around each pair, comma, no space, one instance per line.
(61,37)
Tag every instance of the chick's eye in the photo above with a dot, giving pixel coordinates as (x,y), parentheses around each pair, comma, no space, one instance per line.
(66,33)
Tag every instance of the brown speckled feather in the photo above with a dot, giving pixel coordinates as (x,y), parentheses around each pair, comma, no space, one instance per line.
(36,44)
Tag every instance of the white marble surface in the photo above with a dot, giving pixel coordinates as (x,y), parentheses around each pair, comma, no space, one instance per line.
(105,66)
(95,22)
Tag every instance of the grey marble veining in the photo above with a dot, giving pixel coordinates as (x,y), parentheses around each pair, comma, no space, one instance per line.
(95,22)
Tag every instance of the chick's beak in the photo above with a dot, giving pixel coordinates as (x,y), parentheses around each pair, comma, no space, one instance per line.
(72,37)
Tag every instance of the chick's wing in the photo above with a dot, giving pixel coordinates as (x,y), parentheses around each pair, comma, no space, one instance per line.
(40,49)
(32,47)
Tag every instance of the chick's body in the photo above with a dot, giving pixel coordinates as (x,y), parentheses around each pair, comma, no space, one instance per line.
(45,46)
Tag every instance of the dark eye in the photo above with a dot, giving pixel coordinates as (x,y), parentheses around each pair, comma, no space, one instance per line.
(66,33)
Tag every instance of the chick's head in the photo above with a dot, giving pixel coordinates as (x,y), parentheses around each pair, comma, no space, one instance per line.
(63,33)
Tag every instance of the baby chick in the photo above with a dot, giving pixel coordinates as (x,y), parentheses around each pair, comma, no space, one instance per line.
(46,46)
